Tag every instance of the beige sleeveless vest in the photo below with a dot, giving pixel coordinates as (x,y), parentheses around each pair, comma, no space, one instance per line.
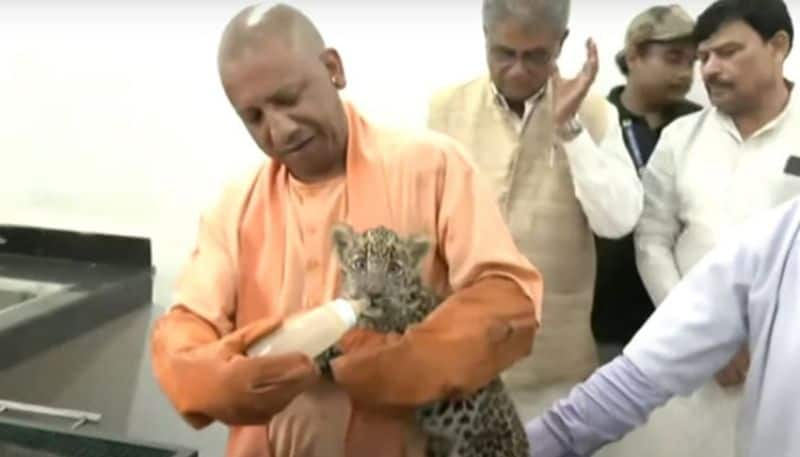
(532,179)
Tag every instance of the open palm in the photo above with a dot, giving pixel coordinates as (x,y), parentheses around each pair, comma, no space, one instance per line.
(569,93)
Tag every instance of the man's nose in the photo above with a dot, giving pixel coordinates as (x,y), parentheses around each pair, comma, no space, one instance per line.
(517,69)
(280,131)
(710,67)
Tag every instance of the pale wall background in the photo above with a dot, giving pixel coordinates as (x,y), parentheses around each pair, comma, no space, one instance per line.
(112,118)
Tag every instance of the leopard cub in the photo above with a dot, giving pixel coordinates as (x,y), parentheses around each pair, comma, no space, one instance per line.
(382,267)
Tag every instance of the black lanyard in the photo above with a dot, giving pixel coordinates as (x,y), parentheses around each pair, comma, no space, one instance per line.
(636,153)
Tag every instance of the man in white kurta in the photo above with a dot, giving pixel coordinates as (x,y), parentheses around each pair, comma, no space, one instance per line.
(746,291)
(712,171)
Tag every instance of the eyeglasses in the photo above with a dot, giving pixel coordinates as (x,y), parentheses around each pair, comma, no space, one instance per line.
(531,60)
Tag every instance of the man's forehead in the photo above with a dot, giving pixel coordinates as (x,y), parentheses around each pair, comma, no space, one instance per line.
(256,76)
(521,43)
(736,31)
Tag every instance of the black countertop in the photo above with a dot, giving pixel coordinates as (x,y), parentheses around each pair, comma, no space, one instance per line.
(22,439)
(106,276)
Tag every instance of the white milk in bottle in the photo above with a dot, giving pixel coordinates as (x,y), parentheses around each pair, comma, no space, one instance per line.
(311,332)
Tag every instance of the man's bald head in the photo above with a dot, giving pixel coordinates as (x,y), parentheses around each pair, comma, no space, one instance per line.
(257,24)
(284,84)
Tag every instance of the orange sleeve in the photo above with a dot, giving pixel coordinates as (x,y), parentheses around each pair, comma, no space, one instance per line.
(209,378)
(487,324)
(198,354)
(207,282)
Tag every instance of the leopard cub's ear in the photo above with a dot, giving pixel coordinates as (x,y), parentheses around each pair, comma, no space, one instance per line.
(418,247)
(342,235)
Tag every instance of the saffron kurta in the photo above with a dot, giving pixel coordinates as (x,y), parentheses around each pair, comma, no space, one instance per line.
(264,252)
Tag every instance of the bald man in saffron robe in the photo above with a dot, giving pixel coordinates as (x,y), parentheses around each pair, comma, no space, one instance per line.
(264,253)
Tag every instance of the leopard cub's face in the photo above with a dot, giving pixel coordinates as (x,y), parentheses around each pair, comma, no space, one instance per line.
(381,267)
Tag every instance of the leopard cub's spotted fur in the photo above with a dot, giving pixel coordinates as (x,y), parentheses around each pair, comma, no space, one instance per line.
(384,268)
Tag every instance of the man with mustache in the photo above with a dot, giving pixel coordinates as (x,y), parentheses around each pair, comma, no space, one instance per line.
(264,252)
(711,172)
(658,62)
(717,168)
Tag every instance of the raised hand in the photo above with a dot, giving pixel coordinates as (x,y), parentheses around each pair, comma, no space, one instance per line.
(569,93)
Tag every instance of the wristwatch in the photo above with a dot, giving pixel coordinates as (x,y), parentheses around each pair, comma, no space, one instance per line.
(570,129)
(325,369)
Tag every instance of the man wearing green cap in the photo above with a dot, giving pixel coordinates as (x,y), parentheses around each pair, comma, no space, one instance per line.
(657,60)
